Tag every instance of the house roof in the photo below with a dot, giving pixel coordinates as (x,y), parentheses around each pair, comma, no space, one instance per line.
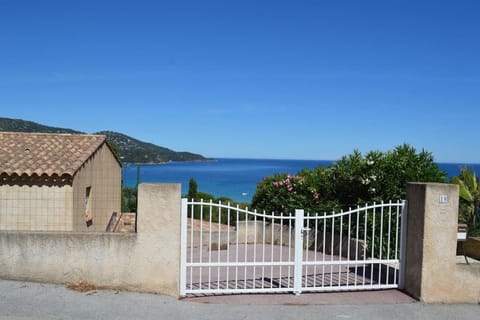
(44,154)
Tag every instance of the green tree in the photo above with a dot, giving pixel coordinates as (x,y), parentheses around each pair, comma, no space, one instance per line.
(114,147)
(469,187)
(192,189)
(129,200)
(402,165)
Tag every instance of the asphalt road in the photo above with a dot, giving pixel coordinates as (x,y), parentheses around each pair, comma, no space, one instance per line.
(24,300)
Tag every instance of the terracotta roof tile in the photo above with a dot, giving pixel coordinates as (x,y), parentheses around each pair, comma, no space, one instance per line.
(45,154)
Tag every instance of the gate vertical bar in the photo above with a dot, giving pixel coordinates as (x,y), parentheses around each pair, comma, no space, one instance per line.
(297,275)
(403,244)
(183,247)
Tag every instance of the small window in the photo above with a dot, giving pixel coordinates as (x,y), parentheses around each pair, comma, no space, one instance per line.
(88,207)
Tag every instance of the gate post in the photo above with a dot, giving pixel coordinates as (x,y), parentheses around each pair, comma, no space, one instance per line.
(403,245)
(297,276)
(183,248)
(430,265)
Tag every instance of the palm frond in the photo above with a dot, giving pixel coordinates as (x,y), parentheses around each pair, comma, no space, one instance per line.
(465,193)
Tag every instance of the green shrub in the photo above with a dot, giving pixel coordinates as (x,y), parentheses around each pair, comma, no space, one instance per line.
(469,204)
(129,199)
(355,179)
(208,212)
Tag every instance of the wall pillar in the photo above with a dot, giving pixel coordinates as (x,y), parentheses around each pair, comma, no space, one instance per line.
(430,257)
(158,232)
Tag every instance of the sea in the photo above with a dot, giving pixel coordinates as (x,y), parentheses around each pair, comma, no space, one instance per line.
(234,178)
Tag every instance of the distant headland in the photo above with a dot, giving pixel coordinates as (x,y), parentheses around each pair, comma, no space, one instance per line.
(130,150)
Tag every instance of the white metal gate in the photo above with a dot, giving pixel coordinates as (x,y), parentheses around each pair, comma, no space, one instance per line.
(227,249)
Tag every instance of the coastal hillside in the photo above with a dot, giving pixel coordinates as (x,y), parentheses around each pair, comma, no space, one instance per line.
(17,125)
(131,150)
(136,151)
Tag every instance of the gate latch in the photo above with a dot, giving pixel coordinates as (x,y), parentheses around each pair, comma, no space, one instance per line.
(305,230)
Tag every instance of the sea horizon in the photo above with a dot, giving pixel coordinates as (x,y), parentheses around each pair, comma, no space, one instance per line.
(235,178)
(269,159)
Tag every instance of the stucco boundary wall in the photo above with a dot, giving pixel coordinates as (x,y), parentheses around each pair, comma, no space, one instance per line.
(432,273)
(147,261)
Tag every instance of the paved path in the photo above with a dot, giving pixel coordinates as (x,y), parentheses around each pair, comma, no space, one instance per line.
(331,298)
(20,300)
(212,274)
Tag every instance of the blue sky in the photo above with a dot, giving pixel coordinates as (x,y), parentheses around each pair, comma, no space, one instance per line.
(262,79)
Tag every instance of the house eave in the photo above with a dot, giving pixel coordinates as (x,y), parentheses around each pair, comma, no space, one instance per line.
(36,180)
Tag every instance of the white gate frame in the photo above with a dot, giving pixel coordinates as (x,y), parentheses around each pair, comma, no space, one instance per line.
(299,234)
(183,248)
(301,252)
(403,246)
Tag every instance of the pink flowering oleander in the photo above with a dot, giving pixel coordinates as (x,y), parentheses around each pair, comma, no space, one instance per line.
(287,181)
